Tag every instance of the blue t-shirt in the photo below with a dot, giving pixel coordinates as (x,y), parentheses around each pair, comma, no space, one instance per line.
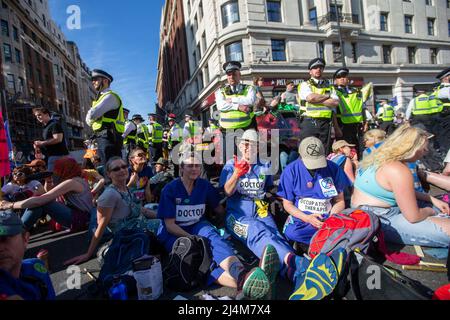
(187,209)
(250,187)
(138,189)
(33,283)
(312,194)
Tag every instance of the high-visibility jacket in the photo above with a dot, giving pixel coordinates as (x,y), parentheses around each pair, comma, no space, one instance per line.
(157,133)
(194,134)
(350,107)
(175,134)
(318,110)
(131,137)
(443,104)
(235,119)
(142,136)
(113,117)
(388,113)
(425,105)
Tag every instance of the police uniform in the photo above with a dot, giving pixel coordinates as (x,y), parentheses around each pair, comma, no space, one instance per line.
(248,218)
(142,134)
(107,120)
(386,114)
(129,135)
(442,127)
(155,131)
(351,111)
(424,109)
(189,214)
(175,137)
(316,120)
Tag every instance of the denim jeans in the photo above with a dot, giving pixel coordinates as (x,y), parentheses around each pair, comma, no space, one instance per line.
(397,229)
(51,162)
(57,211)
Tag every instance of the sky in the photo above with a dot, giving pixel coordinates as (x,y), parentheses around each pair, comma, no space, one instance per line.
(122,38)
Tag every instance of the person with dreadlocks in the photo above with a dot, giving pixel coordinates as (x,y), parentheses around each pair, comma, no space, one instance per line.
(67,176)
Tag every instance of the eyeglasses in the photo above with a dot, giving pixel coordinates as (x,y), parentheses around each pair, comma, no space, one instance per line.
(117,169)
(18,174)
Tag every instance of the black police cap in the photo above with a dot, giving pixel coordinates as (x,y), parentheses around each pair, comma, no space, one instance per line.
(137,117)
(341,71)
(232,65)
(443,74)
(317,62)
(100,73)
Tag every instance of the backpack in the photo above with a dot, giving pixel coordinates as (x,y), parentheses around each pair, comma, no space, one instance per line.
(351,230)
(127,245)
(189,264)
(365,279)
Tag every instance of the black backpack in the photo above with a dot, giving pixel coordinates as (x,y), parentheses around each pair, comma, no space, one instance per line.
(188,264)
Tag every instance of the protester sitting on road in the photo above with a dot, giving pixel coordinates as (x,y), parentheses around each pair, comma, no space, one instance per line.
(140,174)
(384,185)
(20,188)
(245,183)
(116,209)
(39,172)
(373,139)
(192,194)
(345,158)
(312,189)
(160,179)
(68,183)
(446,170)
(20,279)
(94,179)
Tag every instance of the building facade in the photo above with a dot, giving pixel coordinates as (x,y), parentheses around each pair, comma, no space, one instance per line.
(40,68)
(397,45)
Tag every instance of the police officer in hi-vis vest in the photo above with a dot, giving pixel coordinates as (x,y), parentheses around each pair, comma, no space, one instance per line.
(386,114)
(129,134)
(424,110)
(351,113)
(106,117)
(320,100)
(235,102)
(142,134)
(155,131)
(442,94)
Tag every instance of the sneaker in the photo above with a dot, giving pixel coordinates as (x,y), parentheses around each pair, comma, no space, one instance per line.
(255,285)
(270,264)
(339,257)
(319,281)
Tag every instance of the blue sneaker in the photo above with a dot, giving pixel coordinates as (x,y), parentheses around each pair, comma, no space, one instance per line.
(339,257)
(319,281)
(270,264)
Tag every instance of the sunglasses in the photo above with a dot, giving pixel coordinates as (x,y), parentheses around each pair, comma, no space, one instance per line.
(117,169)
(18,174)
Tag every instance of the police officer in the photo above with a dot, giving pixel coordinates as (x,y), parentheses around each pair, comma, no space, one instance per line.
(142,134)
(129,135)
(212,126)
(192,130)
(106,117)
(442,99)
(442,92)
(351,113)
(421,110)
(175,137)
(155,131)
(386,114)
(320,99)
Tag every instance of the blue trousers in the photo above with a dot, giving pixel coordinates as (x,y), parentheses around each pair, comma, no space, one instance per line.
(256,233)
(57,211)
(220,248)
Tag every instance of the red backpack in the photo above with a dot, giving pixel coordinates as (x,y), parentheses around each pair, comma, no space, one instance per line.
(352,230)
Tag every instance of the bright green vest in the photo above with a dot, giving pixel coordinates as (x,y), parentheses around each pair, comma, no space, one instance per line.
(351,107)
(235,119)
(443,104)
(179,138)
(423,105)
(157,133)
(101,123)
(131,137)
(213,127)
(318,110)
(388,113)
(143,135)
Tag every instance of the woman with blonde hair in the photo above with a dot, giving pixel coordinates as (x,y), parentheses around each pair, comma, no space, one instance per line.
(372,140)
(384,185)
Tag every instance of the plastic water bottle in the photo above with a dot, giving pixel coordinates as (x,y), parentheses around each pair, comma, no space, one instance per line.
(118,290)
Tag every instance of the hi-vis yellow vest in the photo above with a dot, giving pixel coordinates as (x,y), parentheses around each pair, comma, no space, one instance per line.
(235,119)
(388,113)
(176,131)
(118,121)
(350,106)
(157,133)
(131,137)
(426,105)
(443,104)
(318,110)
(143,136)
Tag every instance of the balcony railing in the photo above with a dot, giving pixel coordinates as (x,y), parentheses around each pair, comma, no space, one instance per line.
(343,18)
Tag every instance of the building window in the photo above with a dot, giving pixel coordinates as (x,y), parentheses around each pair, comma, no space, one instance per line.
(11,82)
(408,24)
(30,72)
(7,52)
(384,21)
(274,10)
(15,33)
(412,55)
(321,48)
(206,73)
(337,54)
(429,2)
(449,28)
(230,13)
(313,16)
(233,51)
(5,28)
(205,46)
(354,52)
(335,11)
(387,50)
(200,10)
(21,84)
(430,25)
(434,56)
(278,50)
(18,56)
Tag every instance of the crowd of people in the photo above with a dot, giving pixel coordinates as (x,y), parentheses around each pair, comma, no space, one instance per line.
(134,175)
